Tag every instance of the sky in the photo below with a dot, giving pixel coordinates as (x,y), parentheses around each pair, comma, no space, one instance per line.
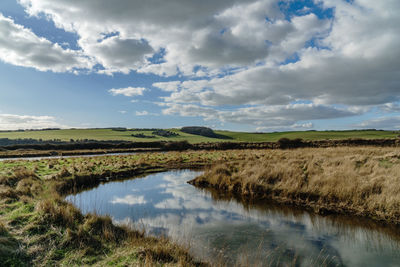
(248,65)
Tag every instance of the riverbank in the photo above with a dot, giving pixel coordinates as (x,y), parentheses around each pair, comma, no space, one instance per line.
(360,181)
(38,227)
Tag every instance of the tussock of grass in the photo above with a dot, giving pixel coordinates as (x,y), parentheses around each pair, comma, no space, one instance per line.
(356,181)
(2,229)
(58,212)
(8,194)
(10,252)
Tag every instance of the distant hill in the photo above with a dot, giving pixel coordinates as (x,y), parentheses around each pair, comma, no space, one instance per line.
(193,134)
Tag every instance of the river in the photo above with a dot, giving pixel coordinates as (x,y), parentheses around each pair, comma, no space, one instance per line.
(224,230)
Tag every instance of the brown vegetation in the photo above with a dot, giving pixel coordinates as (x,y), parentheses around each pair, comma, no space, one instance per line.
(361,181)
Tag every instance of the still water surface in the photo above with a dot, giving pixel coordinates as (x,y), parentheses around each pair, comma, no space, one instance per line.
(72,156)
(225,230)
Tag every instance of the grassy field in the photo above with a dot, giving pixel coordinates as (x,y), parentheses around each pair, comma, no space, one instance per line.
(309,135)
(360,181)
(108,134)
(101,134)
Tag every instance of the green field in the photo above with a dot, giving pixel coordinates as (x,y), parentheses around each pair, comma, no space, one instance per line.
(309,135)
(108,134)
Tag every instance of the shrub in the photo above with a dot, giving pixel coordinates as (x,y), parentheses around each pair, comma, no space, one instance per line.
(164,133)
(285,143)
(203,131)
(140,135)
(177,146)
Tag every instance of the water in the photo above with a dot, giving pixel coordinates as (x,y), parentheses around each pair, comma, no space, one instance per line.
(72,156)
(219,229)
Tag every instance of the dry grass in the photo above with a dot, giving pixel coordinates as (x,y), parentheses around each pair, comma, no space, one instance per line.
(360,181)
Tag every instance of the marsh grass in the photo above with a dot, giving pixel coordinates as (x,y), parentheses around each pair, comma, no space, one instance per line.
(37,220)
(360,181)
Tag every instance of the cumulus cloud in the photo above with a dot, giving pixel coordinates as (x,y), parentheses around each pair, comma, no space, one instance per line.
(168,86)
(267,117)
(390,107)
(129,91)
(382,123)
(294,127)
(208,33)
(16,122)
(320,76)
(116,54)
(20,46)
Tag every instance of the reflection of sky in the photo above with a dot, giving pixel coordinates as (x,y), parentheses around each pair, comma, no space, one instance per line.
(165,204)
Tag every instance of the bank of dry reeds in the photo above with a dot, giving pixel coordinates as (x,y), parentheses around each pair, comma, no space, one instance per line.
(360,181)
(104,147)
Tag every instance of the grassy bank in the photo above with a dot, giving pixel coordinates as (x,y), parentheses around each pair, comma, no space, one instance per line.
(37,227)
(357,181)
(109,134)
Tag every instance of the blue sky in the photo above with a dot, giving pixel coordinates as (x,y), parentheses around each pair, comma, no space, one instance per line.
(254,65)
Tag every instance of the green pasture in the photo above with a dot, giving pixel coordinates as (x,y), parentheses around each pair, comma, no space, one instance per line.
(109,134)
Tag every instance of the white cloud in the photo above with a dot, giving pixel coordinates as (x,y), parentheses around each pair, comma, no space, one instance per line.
(208,33)
(168,86)
(163,69)
(146,113)
(381,123)
(129,91)
(320,76)
(269,117)
(304,125)
(117,54)
(122,111)
(391,107)
(280,128)
(15,122)
(142,113)
(20,46)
